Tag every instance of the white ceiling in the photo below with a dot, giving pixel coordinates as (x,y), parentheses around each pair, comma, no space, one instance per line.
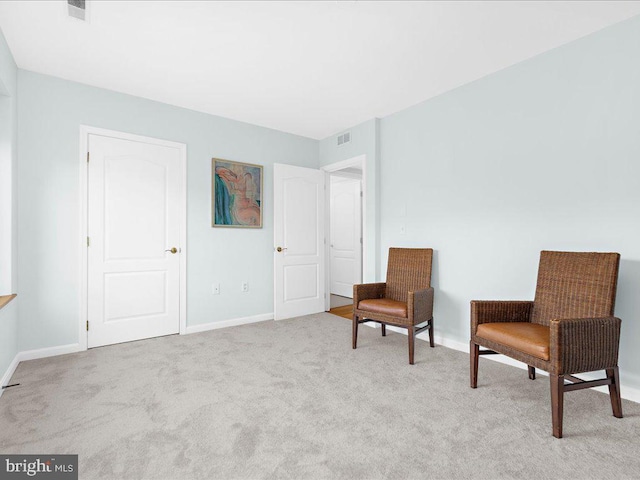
(309,68)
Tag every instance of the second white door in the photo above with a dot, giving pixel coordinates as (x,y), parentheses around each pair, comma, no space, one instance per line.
(134,234)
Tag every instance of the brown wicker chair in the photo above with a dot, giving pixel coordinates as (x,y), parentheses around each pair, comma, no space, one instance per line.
(405,300)
(569,328)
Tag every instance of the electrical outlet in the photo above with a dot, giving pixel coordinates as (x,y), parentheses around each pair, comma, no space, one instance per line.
(215,289)
(244,287)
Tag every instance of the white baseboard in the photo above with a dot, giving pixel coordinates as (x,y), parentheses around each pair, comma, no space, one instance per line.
(48,352)
(35,354)
(203,327)
(626,392)
(6,378)
(75,347)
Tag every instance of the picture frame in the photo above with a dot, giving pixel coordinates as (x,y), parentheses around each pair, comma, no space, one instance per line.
(236,194)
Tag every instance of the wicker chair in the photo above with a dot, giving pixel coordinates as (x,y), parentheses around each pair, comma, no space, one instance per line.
(569,328)
(405,300)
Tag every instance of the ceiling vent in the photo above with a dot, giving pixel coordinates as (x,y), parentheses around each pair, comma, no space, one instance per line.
(344,138)
(77,9)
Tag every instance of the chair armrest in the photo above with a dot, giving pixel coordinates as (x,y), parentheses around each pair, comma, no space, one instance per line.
(583,344)
(490,311)
(365,291)
(420,305)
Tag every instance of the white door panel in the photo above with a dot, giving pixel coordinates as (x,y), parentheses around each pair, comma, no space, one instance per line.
(301,201)
(300,282)
(142,217)
(346,228)
(123,301)
(299,232)
(133,218)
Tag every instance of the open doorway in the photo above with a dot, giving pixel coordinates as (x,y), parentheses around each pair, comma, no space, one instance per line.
(345,226)
(345,236)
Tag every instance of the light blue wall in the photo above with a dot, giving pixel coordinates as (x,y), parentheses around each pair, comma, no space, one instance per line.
(364,141)
(50,112)
(8,207)
(542,155)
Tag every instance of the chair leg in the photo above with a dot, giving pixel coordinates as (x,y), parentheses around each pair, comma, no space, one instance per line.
(354,336)
(474,355)
(557,400)
(614,391)
(412,333)
(532,372)
(384,329)
(431,333)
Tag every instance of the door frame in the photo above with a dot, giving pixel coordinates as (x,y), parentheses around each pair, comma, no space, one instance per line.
(85,131)
(359,161)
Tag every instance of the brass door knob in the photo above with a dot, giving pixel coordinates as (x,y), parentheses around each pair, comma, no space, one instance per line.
(172,250)
(280,249)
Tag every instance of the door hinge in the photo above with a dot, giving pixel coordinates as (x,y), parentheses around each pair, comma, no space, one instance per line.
(361,194)
(87,157)
(88,242)
(87,325)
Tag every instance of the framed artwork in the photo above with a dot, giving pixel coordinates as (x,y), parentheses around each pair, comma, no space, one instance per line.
(236,194)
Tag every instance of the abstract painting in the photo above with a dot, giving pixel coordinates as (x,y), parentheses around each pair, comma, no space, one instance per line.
(236,193)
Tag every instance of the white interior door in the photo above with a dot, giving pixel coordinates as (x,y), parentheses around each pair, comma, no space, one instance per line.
(298,201)
(133,222)
(346,236)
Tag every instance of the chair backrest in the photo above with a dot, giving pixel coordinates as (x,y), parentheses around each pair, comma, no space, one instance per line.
(408,269)
(575,285)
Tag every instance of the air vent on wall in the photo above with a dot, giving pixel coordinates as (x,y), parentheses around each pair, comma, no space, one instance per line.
(344,138)
(77,9)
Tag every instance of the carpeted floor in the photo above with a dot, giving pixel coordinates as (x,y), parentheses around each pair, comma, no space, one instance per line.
(292,400)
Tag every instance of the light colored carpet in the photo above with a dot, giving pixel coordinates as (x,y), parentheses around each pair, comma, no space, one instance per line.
(292,400)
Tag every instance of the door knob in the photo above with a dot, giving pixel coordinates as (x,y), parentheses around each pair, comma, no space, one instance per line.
(172,250)
(280,249)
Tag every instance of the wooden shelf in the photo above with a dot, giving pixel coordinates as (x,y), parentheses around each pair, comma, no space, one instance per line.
(4,299)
